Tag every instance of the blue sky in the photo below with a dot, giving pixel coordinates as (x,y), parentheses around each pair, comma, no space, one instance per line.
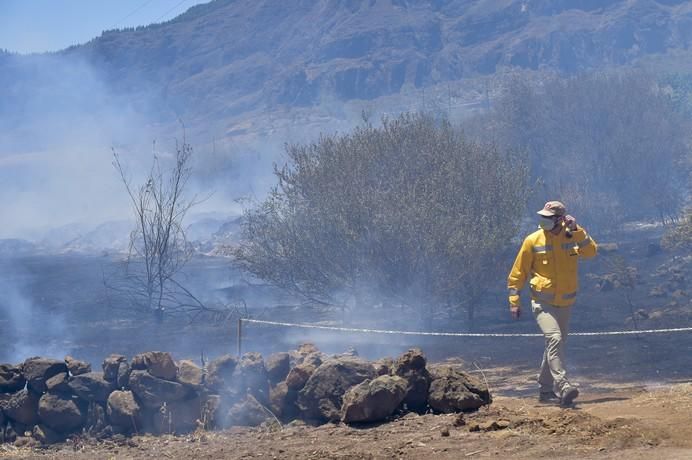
(28,26)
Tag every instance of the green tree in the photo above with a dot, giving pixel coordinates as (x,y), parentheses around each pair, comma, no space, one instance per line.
(409,210)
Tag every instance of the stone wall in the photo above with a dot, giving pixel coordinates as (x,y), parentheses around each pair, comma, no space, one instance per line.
(45,400)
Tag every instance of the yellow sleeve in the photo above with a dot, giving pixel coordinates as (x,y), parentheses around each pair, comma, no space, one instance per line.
(587,245)
(521,269)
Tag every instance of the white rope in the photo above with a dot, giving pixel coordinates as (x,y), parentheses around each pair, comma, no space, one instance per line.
(457,334)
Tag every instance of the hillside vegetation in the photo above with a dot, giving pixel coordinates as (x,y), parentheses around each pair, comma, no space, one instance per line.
(229,57)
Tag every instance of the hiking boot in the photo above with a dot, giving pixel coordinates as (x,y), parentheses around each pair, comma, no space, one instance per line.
(548,396)
(568,395)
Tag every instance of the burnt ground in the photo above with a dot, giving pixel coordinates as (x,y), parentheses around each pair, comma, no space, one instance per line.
(635,389)
(622,422)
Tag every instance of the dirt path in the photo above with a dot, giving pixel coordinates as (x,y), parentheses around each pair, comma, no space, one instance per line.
(616,423)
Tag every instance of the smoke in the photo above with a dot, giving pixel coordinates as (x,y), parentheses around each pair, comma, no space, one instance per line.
(59,120)
(27,331)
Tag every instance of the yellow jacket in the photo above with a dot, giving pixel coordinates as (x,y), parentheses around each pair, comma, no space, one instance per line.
(551,261)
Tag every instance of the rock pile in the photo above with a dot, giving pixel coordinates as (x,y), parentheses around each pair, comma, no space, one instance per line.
(45,400)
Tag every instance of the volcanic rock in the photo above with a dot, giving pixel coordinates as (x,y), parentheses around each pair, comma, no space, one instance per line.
(383,366)
(153,391)
(307,348)
(45,435)
(91,386)
(123,379)
(77,367)
(37,370)
(248,412)
(411,367)
(58,384)
(373,400)
(278,365)
(110,366)
(60,412)
(321,398)
(190,374)
(452,390)
(220,372)
(11,378)
(26,442)
(282,401)
(250,376)
(22,407)
(299,375)
(123,410)
(159,364)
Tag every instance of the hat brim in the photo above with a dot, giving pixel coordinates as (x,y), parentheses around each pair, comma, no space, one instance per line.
(546,213)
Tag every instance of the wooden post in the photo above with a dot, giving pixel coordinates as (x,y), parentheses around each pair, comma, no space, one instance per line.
(240,335)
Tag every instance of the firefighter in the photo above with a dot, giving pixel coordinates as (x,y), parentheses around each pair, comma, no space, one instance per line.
(548,259)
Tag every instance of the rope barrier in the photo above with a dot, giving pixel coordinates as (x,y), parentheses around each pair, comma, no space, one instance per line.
(456,334)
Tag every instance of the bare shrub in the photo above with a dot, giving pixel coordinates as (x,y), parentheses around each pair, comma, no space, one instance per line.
(158,247)
(409,211)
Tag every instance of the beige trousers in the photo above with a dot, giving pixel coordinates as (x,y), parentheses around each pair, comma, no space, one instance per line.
(554,323)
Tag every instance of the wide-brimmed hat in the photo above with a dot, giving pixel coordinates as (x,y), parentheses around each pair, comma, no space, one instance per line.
(553,208)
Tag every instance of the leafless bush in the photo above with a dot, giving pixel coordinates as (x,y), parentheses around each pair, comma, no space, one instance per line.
(158,248)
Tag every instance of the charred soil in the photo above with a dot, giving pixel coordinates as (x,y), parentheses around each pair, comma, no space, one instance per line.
(624,422)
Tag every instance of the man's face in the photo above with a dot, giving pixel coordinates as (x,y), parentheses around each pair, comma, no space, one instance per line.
(548,223)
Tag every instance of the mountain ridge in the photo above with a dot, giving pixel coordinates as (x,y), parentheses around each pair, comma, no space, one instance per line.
(228,57)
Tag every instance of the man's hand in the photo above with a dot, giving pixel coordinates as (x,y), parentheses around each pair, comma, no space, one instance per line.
(515,310)
(515,306)
(570,222)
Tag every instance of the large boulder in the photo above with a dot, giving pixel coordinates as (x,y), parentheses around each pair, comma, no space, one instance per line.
(22,407)
(123,410)
(453,390)
(159,364)
(278,365)
(58,384)
(91,386)
(190,374)
(250,377)
(220,371)
(110,366)
(153,391)
(299,375)
(247,412)
(373,400)
(411,367)
(77,367)
(37,370)
(321,397)
(11,378)
(282,401)
(60,412)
